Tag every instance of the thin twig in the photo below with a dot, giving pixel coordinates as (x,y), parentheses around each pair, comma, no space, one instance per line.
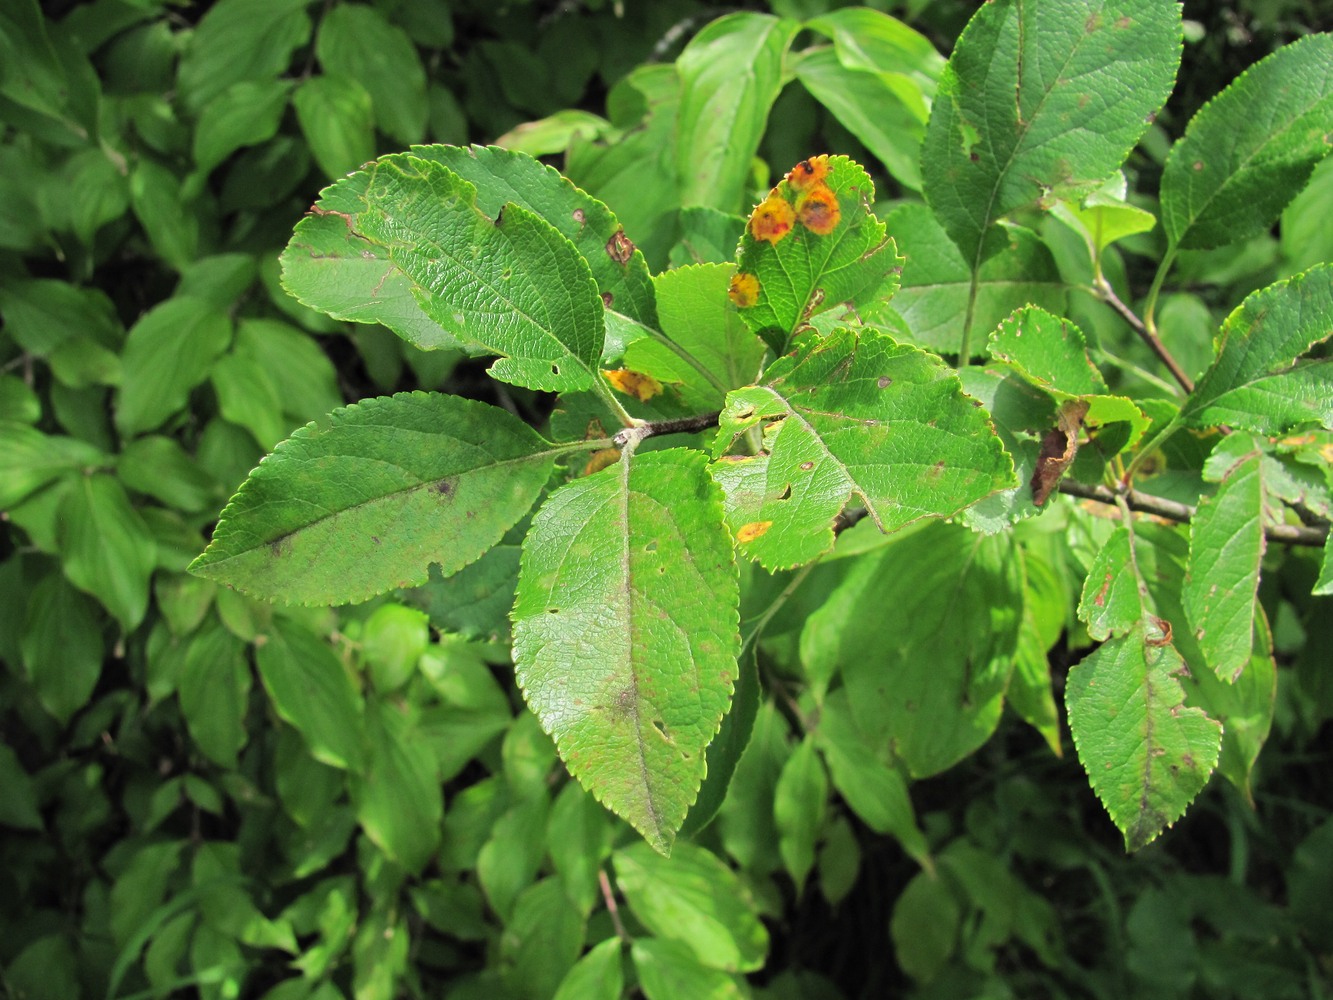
(682,425)
(1104,290)
(609,898)
(1172,510)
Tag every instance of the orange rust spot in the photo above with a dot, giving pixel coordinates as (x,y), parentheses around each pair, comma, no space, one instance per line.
(749,532)
(808,173)
(818,210)
(600,460)
(642,387)
(743,290)
(773,219)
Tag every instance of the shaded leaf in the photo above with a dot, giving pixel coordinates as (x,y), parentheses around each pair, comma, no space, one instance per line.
(397,796)
(667,971)
(370,499)
(1114,600)
(598,975)
(625,637)
(106,548)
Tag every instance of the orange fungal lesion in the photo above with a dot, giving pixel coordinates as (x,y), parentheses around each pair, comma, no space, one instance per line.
(818,210)
(808,173)
(743,290)
(642,387)
(773,219)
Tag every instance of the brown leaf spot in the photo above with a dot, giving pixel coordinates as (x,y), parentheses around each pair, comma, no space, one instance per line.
(445,487)
(749,532)
(1058,448)
(607,299)
(743,290)
(579,216)
(807,466)
(772,219)
(883,381)
(808,173)
(818,210)
(1100,599)
(619,247)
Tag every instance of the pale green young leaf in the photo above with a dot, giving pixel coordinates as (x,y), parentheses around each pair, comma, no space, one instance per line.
(105,547)
(868,39)
(695,899)
(1113,600)
(504,177)
(1041,102)
(730,75)
(698,323)
(1103,217)
(598,975)
(851,415)
(667,971)
(310,688)
(1256,380)
(1251,149)
(1221,585)
(937,281)
(1147,755)
(799,804)
(370,499)
(811,245)
(625,636)
(938,610)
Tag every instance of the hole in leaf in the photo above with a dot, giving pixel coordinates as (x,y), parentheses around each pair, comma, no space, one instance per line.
(651,546)
(786,493)
(553,611)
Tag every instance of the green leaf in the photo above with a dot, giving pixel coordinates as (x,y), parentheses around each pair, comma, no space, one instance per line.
(240,40)
(854,414)
(168,352)
(667,971)
(1255,381)
(598,975)
(1146,754)
(923,631)
(370,499)
(542,940)
(811,245)
(695,899)
(1247,152)
(1051,353)
(245,114)
(159,467)
(1041,102)
(398,799)
(62,646)
(724,753)
(624,664)
(1103,217)
(508,861)
(503,177)
(730,75)
(1226,549)
(886,111)
(19,807)
(937,281)
(356,41)
(1114,599)
(799,804)
(310,688)
(335,115)
(924,926)
(578,839)
(106,548)
(214,692)
(30,460)
(169,216)
(707,349)
(864,775)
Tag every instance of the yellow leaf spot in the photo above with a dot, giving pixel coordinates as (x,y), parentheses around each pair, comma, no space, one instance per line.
(749,532)
(743,290)
(773,219)
(600,460)
(642,387)
(808,173)
(818,210)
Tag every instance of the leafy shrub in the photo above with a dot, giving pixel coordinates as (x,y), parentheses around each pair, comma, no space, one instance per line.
(772,515)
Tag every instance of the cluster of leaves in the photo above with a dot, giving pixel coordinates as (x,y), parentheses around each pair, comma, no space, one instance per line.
(824,489)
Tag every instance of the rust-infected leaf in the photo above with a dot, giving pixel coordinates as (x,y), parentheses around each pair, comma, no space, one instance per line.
(808,173)
(818,210)
(642,387)
(1058,448)
(749,532)
(601,459)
